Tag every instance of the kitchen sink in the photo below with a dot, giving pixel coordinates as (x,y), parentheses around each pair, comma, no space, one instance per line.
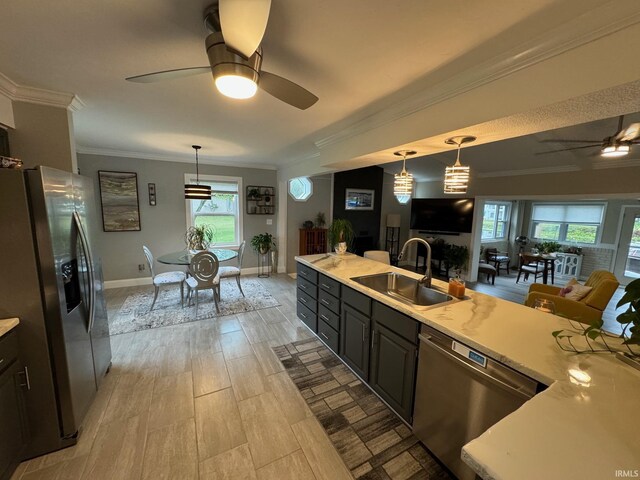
(405,289)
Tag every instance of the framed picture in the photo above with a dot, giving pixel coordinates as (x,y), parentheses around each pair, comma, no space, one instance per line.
(119,200)
(358,199)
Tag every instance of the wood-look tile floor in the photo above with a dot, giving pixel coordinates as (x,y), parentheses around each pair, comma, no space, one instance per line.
(203,400)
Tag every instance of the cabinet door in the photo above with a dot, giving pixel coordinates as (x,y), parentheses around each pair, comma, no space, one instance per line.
(354,340)
(14,432)
(393,370)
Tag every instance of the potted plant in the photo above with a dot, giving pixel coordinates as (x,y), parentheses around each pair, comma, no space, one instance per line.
(253,194)
(199,237)
(262,243)
(595,340)
(548,247)
(320,220)
(455,257)
(341,235)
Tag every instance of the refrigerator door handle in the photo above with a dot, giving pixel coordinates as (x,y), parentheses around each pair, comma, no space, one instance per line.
(87,253)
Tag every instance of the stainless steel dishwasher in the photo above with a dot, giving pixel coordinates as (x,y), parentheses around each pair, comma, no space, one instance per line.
(460,393)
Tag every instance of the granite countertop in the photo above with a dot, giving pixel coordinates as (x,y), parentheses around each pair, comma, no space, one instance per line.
(582,426)
(8,324)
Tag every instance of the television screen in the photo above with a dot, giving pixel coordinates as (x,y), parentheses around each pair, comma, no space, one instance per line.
(444,215)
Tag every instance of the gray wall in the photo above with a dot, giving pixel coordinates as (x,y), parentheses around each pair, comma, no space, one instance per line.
(298,212)
(163,225)
(391,205)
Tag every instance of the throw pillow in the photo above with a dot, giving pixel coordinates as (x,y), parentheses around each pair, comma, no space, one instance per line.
(567,288)
(577,292)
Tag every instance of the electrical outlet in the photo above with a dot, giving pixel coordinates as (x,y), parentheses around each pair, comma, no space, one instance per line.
(269,221)
(141,267)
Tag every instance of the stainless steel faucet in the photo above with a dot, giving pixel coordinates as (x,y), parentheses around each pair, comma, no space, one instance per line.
(426,280)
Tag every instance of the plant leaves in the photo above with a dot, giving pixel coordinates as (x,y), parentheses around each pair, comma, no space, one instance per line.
(593,334)
(556,333)
(626,298)
(626,317)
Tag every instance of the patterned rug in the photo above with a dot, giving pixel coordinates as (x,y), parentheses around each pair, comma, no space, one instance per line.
(372,441)
(134,314)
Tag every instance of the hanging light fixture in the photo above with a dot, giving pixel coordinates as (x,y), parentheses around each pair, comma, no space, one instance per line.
(195,191)
(456,177)
(403,183)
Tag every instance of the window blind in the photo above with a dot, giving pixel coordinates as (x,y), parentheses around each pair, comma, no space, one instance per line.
(567,213)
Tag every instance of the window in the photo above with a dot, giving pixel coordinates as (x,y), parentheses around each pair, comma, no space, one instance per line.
(300,188)
(222,212)
(566,222)
(495,221)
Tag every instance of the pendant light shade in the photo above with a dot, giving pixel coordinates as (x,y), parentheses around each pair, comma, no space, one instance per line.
(456,177)
(195,191)
(403,181)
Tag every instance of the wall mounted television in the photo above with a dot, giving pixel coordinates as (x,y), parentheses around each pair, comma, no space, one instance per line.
(442,215)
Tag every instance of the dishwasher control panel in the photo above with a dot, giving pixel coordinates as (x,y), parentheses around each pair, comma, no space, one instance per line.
(466,352)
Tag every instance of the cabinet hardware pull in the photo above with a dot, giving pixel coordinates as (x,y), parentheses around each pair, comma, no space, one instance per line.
(303,315)
(26,378)
(363,340)
(324,335)
(302,300)
(302,286)
(325,301)
(1,361)
(328,287)
(324,317)
(303,273)
(373,339)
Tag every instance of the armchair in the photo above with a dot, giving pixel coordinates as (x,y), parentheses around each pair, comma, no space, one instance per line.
(493,256)
(587,310)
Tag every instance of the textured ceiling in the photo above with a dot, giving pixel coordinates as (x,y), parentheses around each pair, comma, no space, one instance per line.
(349,53)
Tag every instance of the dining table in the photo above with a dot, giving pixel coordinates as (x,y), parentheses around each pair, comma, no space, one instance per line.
(183,257)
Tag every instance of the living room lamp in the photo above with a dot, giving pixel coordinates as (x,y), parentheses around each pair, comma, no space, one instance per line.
(195,191)
(403,181)
(456,177)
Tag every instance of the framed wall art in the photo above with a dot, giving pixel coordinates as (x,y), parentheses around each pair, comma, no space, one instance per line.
(358,199)
(119,200)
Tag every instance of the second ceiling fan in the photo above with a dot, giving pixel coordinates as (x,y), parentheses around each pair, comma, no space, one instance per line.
(235,55)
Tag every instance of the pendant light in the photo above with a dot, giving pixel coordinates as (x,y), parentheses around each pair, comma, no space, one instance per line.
(403,182)
(195,191)
(456,177)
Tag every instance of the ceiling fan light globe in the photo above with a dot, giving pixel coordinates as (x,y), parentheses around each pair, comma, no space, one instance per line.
(236,86)
(613,151)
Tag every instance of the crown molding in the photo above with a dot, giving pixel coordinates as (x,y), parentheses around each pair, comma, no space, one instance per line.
(581,30)
(108,152)
(603,163)
(40,96)
(530,171)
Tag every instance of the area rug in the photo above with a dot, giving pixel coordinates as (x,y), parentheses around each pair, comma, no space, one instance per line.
(372,441)
(134,314)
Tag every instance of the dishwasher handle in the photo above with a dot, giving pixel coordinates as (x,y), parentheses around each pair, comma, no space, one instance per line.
(426,340)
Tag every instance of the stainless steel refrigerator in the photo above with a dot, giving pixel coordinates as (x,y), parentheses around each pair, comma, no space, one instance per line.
(51,278)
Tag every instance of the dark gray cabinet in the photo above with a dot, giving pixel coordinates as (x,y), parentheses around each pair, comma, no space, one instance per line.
(393,369)
(354,340)
(14,437)
(307,295)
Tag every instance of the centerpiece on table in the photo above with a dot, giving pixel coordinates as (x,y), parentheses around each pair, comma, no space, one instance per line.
(341,235)
(199,237)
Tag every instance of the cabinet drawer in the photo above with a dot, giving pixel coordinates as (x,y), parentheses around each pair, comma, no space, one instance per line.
(307,316)
(328,335)
(307,287)
(329,285)
(397,322)
(357,300)
(329,301)
(308,301)
(8,349)
(329,317)
(307,273)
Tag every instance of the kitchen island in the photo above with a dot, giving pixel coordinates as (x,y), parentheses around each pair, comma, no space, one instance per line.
(582,426)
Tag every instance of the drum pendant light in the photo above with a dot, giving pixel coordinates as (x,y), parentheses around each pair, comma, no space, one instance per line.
(403,181)
(195,191)
(456,177)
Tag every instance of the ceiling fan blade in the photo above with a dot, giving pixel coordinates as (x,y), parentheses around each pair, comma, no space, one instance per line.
(551,140)
(629,134)
(169,74)
(243,24)
(286,90)
(567,149)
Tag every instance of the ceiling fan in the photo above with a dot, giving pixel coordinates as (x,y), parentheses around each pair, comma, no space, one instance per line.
(617,145)
(235,55)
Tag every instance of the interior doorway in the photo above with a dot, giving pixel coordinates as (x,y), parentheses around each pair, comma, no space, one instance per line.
(627,265)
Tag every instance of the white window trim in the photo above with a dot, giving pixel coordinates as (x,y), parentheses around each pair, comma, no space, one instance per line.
(191,178)
(310,189)
(507,222)
(564,225)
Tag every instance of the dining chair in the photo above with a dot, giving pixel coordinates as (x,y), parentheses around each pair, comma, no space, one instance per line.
(530,264)
(163,279)
(204,276)
(378,255)
(498,259)
(231,271)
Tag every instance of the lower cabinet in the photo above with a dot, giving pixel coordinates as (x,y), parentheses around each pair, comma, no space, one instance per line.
(393,370)
(354,340)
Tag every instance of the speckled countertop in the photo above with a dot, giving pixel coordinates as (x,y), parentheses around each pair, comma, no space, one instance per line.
(574,429)
(8,324)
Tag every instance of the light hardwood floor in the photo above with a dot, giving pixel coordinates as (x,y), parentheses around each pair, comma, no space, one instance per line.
(207,399)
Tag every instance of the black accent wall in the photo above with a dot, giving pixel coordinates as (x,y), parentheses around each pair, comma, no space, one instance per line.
(366,223)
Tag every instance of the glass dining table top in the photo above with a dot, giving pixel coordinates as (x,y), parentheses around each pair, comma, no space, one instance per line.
(183,257)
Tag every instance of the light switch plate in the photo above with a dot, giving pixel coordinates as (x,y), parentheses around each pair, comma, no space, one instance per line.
(269,221)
